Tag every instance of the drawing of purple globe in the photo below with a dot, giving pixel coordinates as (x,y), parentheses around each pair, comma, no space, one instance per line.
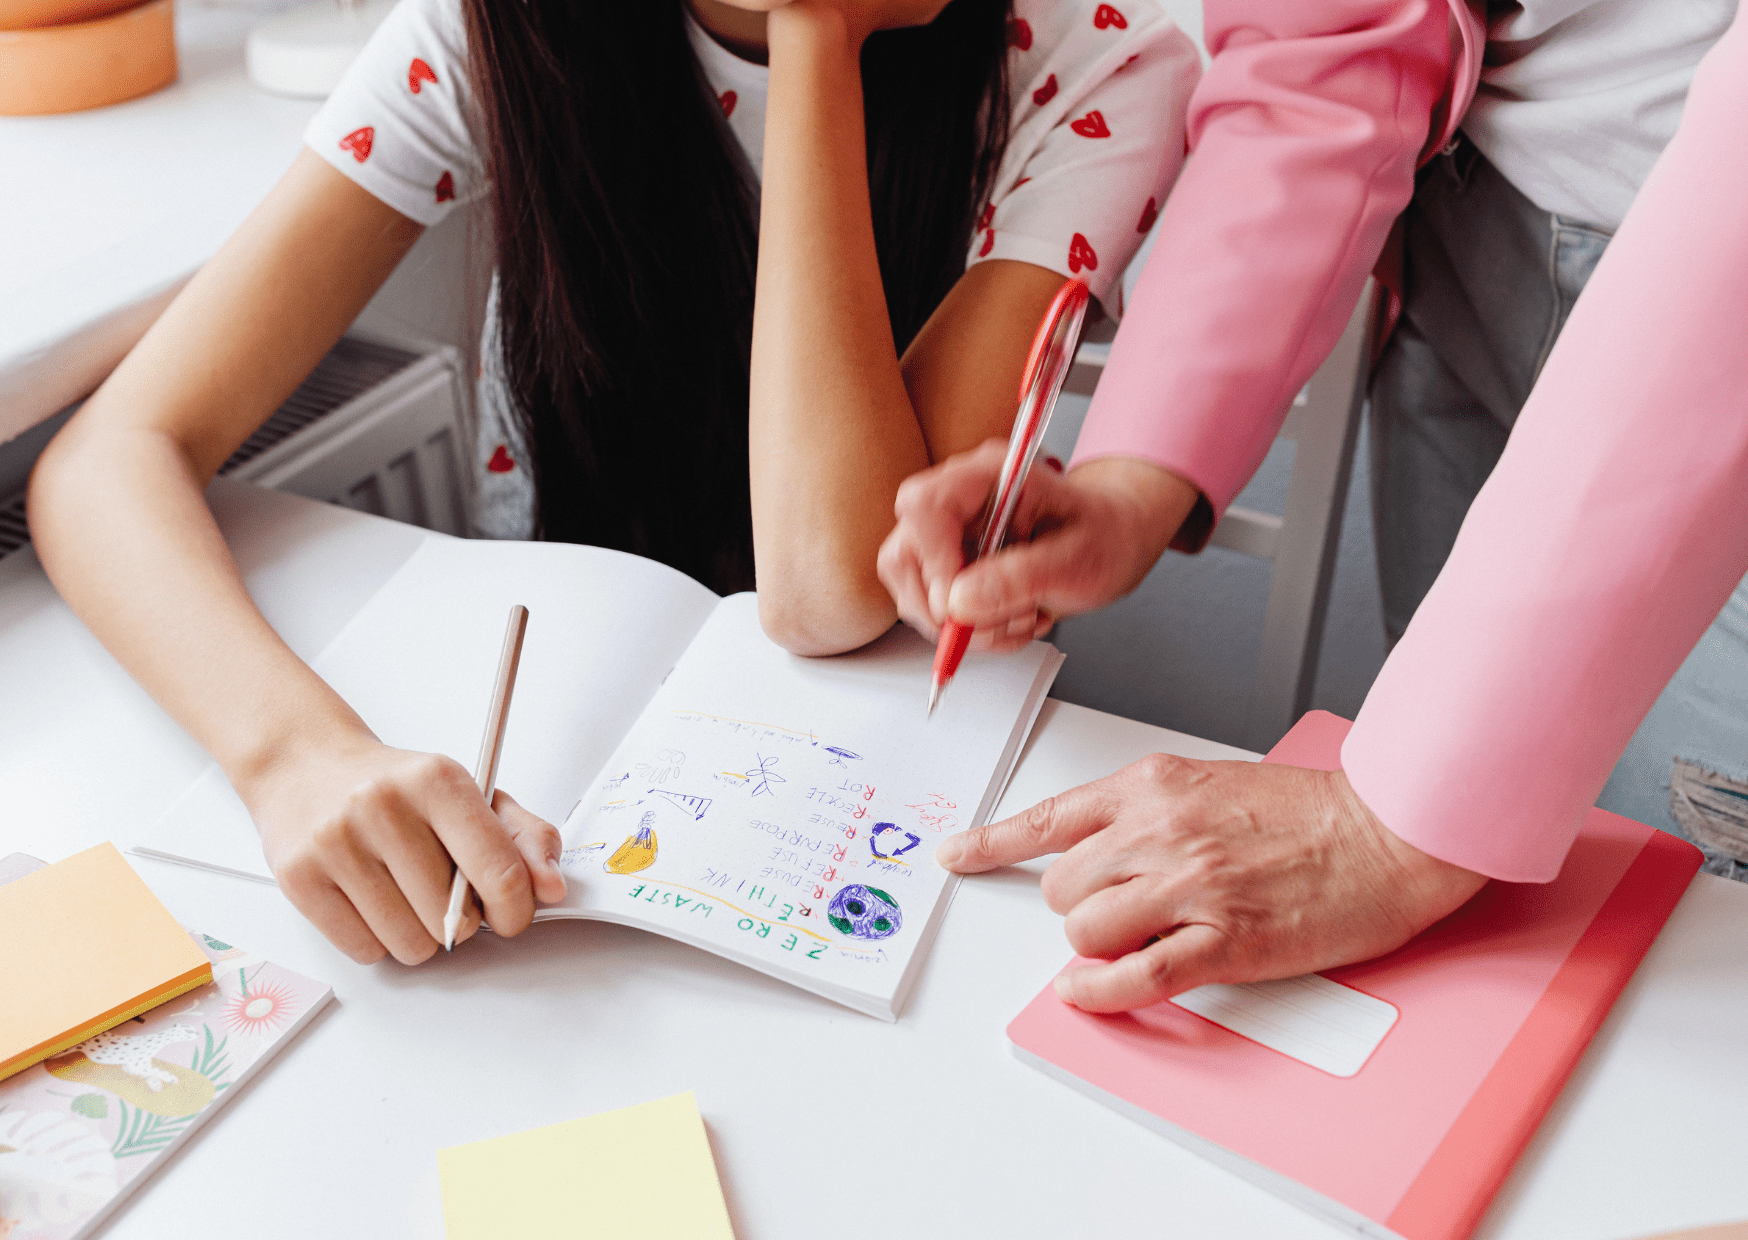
(864,913)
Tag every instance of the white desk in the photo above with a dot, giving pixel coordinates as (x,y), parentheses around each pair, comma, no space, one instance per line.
(107,212)
(824,1122)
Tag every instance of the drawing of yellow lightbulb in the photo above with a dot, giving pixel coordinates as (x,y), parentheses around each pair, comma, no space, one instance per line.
(638,852)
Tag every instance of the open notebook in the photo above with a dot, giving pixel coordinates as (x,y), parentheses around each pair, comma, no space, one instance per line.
(775,810)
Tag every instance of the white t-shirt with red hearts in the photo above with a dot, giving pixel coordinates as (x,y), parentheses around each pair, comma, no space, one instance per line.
(1100,92)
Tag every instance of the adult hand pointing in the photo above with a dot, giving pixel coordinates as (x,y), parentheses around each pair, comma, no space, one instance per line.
(1180,873)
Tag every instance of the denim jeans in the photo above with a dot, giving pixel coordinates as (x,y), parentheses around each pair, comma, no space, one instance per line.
(1489,279)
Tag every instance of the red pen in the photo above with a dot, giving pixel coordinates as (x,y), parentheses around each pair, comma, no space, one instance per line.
(1040,384)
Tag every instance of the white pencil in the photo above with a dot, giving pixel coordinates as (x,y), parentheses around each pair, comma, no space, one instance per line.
(491,745)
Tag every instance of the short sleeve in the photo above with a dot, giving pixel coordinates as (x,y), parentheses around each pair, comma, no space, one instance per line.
(1099,110)
(397,123)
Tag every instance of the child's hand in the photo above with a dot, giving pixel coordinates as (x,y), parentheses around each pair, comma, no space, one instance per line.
(361,840)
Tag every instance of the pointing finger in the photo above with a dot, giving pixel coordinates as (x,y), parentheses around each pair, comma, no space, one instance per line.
(1050,826)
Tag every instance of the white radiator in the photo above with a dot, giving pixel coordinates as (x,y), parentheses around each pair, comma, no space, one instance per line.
(378,426)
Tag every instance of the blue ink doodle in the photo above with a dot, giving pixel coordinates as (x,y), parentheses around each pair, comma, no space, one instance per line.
(887,833)
(864,913)
(763,776)
(841,755)
(694,806)
(571,856)
(664,767)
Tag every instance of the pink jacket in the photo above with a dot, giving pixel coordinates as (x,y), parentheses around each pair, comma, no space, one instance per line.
(1616,523)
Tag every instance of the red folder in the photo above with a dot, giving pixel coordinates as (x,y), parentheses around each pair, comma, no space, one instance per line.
(1496,1003)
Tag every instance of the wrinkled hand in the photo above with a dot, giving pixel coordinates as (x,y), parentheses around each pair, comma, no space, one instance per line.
(1077,542)
(361,840)
(1244,871)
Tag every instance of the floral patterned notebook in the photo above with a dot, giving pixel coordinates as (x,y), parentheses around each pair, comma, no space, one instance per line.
(82,1130)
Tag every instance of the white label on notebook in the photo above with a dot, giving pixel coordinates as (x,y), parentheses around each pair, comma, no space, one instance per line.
(1322,1023)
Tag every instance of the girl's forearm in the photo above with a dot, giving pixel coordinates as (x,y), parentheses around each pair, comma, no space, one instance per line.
(122,527)
(832,429)
(117,509)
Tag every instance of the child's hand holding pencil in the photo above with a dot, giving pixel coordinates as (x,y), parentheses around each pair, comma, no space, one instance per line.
(384,864)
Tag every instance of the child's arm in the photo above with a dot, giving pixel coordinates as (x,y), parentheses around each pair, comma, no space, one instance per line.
(350,826)
(837,422)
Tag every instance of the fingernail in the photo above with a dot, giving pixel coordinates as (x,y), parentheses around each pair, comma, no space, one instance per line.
(948,851)
(1064,989)
(938,602)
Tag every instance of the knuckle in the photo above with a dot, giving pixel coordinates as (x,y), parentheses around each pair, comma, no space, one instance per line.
(300,875)
(330,837)
(1158,768)
(440,771)
(505,879)
(978,843)
(1157,970)
(1036,827)
(373,796)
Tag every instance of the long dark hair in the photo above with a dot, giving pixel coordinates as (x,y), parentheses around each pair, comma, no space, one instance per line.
(626,231)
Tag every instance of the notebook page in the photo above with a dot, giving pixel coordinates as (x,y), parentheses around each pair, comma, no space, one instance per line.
(419,660)
(784,811)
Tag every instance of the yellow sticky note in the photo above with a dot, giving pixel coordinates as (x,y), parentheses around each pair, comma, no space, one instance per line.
(644,1172)
(87,946)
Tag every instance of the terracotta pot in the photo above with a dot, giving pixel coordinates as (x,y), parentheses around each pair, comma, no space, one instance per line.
(29,14)
(90,64)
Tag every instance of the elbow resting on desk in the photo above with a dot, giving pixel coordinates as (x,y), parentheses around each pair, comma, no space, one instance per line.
(827,616)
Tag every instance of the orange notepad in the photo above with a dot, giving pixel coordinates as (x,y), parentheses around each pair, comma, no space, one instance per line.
(1391,1097)
(87,947)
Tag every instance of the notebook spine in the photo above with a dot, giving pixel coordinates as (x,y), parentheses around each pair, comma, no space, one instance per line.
(1448,1197)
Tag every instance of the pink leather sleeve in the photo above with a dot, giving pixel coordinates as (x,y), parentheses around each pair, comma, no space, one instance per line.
(1304,136)
(1606,540)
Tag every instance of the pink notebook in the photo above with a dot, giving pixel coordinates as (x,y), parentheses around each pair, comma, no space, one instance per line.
(1434,1063)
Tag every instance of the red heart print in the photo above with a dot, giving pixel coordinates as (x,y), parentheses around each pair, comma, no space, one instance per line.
(445,187)
(987,218)
(418,72)
(501,462)
(1092,125)
(1081,254)
(1020,34)
(1108,16)
(1149,213)
(726,101)
(988,244)
(359,142)
(1045,93)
